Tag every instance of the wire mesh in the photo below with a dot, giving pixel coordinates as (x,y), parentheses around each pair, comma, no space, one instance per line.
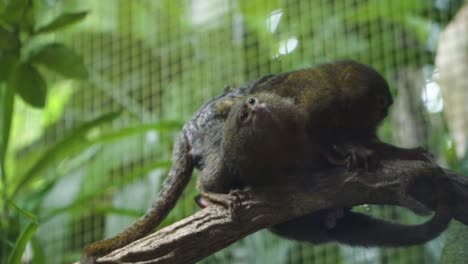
(160,60)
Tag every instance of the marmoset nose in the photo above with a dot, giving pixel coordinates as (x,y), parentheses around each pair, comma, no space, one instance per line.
(260,109)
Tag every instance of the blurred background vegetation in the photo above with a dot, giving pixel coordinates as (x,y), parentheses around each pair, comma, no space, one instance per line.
(92,94)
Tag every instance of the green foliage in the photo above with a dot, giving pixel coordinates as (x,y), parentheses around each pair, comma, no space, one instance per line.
(9,62)
(17,23)
(72,143)
(24,237)
(57,57)
(19,76)
(9,40)
(29,84)
(14,11)
(62,21)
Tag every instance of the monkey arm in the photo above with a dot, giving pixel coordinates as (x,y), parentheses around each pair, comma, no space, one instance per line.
(213,228)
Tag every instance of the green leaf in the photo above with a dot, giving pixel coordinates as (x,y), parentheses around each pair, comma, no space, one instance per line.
(29,84)
(35,198)
(7,64)
(136,129)
(80,202)
(14,10)
(25,213)
(20,245)
(72,143)
(24,237)
(59,58)
(38,251)
(62,21)
(79,205)
(28,21)
(8,40)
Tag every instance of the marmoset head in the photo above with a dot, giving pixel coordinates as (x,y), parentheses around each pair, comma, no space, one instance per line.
(263,129)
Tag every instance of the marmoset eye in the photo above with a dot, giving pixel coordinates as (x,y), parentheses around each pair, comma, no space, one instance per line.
(243,116)
(251,101)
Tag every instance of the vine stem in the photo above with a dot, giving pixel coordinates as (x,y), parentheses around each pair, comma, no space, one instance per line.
(8,110)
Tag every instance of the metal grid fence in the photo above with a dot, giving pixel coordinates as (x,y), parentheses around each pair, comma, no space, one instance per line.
(160,60)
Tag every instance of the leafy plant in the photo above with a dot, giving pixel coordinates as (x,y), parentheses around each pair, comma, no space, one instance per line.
(21,58)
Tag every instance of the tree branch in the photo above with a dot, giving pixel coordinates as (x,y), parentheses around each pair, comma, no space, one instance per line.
(403,177)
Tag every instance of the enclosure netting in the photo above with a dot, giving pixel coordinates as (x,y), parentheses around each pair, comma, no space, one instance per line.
(160,60)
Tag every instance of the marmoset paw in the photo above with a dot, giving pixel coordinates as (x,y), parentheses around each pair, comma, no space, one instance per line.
(231,201)
(358,156)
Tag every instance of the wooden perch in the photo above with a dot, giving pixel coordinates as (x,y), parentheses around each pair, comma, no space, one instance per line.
(400,179)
